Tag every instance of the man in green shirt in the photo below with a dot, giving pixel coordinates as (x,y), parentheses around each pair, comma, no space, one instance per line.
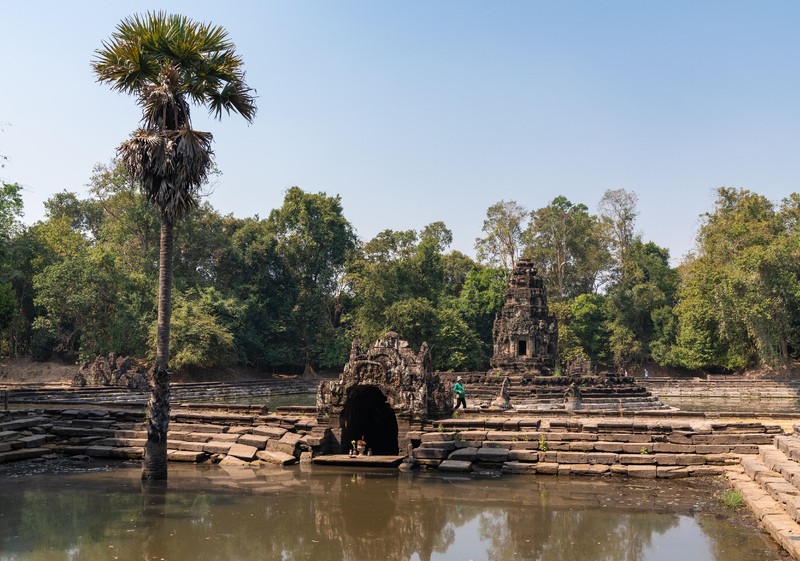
(461,394)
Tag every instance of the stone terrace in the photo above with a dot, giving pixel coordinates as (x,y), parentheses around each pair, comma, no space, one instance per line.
(602,446)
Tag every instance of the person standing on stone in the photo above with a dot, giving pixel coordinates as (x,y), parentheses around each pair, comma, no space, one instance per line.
(461,394)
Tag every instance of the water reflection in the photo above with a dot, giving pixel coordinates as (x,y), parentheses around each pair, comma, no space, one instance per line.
(211,513)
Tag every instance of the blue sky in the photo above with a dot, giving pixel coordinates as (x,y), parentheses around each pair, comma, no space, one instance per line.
(418,111)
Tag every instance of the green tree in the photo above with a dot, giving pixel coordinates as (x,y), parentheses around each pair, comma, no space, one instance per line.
(502,240)
(641,303)
(741,291)
(168,62)
(564,240)
(314,241)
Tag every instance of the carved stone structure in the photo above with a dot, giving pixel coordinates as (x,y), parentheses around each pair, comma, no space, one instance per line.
(380,394)
(525,335)
(112,371)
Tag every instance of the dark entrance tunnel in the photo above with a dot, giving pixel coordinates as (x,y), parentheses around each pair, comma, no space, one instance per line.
(367,414)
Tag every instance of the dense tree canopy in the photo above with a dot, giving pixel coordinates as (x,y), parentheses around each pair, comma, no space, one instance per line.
(293,289)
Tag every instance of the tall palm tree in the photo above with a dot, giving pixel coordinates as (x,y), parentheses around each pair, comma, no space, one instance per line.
(169,61)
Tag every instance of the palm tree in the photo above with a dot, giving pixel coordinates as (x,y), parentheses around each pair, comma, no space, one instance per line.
(169,61)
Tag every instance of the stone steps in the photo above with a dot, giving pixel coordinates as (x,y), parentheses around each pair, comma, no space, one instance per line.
(770,485)
(208,435)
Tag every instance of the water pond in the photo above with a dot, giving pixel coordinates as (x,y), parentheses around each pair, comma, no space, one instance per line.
(84,511)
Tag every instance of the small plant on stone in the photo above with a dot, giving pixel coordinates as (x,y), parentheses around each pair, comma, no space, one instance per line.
(542,444)
(644,451)
(732,498)
(526,438)
(441,427)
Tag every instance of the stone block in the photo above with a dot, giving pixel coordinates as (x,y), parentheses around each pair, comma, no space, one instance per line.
(215,447)
(666,459)
(455,465)
(680,438)
(711,449)
(548,457)
(547,468)
(185,456)
(637,459)
(619,469)
(590,469)
(492,455)
(269,431)
(8,435)
(689,460)
(449,446)
(243,452)
(438,437)
(669,448)
(427,453)
(464,454)
(744,449)
(581,446)
(278,446)
(278,458)
(615,447)
(523,468)
(642,471)
(637,448)
(697,471)
(602,458)
(258,441)
(188,446)
(527,444)
(476,435)
(291,438)
(671,472)
(564,470)
(722,459)
(33,441)
(428,462)
(627,437)
(192,436)
(529,423)
(572,458)
(527,456)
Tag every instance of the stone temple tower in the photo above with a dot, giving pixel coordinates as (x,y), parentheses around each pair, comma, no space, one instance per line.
(525,335)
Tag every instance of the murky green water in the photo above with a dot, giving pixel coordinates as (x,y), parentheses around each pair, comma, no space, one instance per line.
(215,513)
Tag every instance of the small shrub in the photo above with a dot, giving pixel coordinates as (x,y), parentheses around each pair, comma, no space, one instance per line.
(542,444)
(441,427)
(732,498)
(644,451)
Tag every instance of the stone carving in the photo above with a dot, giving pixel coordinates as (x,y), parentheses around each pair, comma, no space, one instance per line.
(402,375)
(112,371)
(525,335)
(503,400)
(382,392)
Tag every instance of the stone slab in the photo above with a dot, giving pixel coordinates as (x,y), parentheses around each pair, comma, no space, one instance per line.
(243,452)
(455,466)
(278,458)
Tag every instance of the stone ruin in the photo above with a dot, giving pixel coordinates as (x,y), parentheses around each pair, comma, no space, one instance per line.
(113,370)
(382,393)
(525,335)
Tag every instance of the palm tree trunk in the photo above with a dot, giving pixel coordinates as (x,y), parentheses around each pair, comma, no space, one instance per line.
(154,466)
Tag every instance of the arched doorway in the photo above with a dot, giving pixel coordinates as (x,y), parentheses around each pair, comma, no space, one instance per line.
(368,415)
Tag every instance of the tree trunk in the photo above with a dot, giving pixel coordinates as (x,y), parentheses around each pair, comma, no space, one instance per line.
(154,466)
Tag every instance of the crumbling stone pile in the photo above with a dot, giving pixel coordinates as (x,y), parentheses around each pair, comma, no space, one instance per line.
(195,436)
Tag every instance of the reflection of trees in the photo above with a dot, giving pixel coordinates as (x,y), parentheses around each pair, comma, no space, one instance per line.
(208,514)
